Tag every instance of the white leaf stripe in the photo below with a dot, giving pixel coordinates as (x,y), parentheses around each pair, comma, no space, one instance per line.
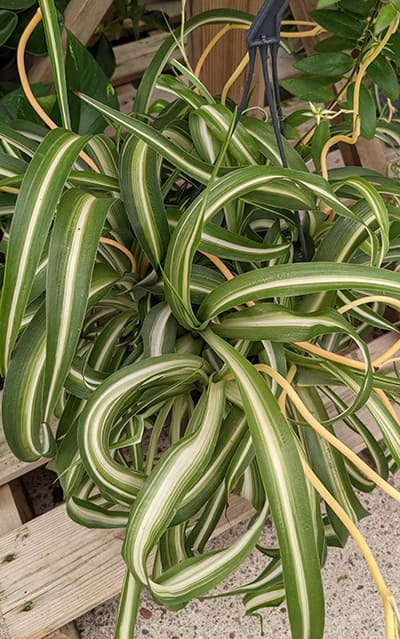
(276,453)
(197,575)
(233,430)
(158,328)
(388,426)
(141,194)
(22,409)
(294,280)
(328,464)
(141,184)
(176,472)
(177,88)
(204,142)
(72,252)
(153,71)
(54,49)
(264,134)
(17,140)
(241,145)
(97,419)
(91,515)
(92,181)
(269,321)
(187,234)
(104,347)
(210,515)
(377,204)
(242,182)
(41,188)
(226,244)
(21,405)
(272,597)
(170,151)
(275,322)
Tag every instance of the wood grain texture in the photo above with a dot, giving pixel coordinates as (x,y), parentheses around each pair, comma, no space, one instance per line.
(301,11)
(227,53)
(10,466)
(60,570)
(15,511)
(10,517)
(133,58)
(371,154)
(82,17)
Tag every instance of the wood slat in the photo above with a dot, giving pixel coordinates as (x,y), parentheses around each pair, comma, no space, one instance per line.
(60,570)
(301,11)
(10,517)
(172,8)
(10,466)
(133,58)
(82,17)
(14,511)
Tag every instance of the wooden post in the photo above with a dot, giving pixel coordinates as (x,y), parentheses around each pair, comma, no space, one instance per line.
(227,53)
(301,11)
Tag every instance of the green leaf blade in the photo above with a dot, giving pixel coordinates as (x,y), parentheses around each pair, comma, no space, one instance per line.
(8,22)
(287,494)
(40,191)
(54,49)
(73,246)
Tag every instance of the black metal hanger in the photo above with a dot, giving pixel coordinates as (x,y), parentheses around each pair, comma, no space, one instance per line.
(264,36)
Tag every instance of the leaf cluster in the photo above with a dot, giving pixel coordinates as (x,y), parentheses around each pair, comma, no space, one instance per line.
(151,313)
(353,29)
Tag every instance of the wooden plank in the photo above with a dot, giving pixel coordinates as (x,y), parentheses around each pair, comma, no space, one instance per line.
(371,154)
(59,570)
(10,517)
(126,94)
(10,466)
(15,511)
(301,11)
(82,17)
(133,58)
(172,8)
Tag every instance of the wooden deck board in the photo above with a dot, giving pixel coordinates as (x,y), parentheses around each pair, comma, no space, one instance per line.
(60,570)
(133,58)
(10,466)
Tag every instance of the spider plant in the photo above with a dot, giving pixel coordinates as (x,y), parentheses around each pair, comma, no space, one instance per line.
(160,299)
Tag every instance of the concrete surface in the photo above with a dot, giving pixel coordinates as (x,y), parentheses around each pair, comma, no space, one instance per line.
(353,607)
